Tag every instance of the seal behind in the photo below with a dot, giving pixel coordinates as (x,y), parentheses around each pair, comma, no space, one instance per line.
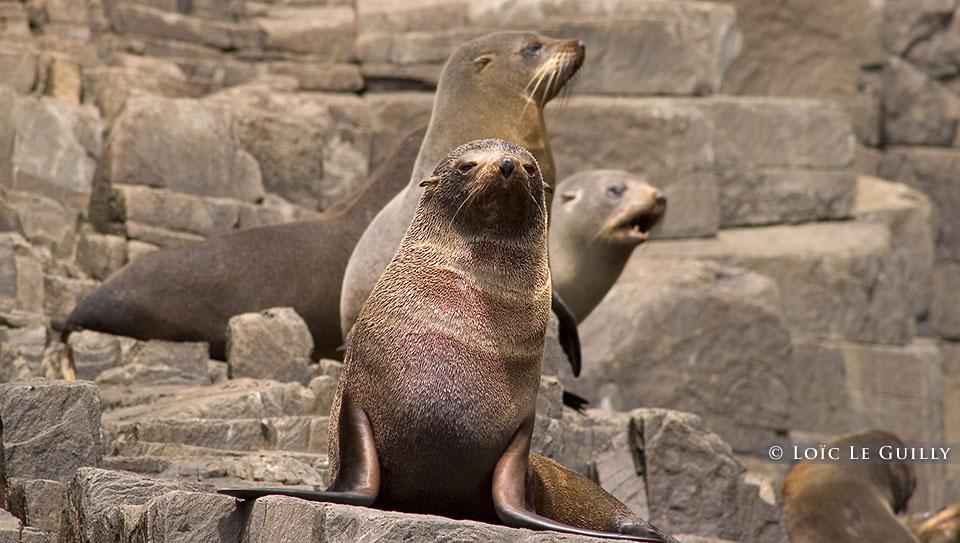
(848,503)
(601,216)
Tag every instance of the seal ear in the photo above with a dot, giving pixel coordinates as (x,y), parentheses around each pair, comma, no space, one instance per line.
(568,195)
(481,62)
(547,188)
(430,182)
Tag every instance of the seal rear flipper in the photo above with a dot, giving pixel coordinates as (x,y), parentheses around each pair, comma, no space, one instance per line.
(510,493)
(358,478)
(569,337)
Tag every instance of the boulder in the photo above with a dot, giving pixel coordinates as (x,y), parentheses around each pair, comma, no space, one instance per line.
(181,516)
(945,309)
(837,280)
(39,503)
(273,344)
(145,20)
(100,255)
(932,171)
(183,145)
(693,336)
(327,33)
(917,109)
(49,429)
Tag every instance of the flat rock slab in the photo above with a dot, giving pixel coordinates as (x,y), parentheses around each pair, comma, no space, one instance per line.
(49,429)
(837,280)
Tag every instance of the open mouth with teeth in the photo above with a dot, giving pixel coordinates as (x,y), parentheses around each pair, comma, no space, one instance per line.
(637,228)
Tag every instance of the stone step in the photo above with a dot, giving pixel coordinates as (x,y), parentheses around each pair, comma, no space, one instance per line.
(678,48)
(298,433)
(836,280)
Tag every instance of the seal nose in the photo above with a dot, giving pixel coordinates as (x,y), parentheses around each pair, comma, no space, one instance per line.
(507,165)
(660,198)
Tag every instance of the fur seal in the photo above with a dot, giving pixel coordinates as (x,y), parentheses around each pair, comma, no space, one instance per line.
(848,503)
(599,218)
(436,404)
(189,293)
(494,86)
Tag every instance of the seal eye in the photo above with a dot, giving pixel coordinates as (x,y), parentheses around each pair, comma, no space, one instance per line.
(616,191)
(466,167)
(532,50)
(530,169)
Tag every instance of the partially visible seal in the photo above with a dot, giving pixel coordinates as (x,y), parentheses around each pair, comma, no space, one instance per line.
(492,87)
(600,217)
(848,503)
(436,404)
(190,293)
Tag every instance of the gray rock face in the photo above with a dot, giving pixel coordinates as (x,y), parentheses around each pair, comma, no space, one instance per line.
(945,312)
(50,429)
(181,516)
(274,343)
(183,145)
(32,131)
(836,280)
(917,109)
(39,503)
(908,214)
(657,340)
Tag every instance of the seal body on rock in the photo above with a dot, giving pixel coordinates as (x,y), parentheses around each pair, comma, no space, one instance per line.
(436,403)
(599,218)
(492,87)
(190,293)
(848,502)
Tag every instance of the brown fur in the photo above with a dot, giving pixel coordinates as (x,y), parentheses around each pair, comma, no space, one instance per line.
(491,87)
(848,503)
(189,293)
(589,238)
(445,357)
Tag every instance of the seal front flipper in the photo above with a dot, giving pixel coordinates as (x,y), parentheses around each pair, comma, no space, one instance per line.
(358,479)
(513,508)
(569,337)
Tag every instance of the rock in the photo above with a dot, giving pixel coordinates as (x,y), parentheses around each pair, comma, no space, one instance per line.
(109,87)
(18,64)
(816,385)
(137,19)
(909,22)
(283,519)
(274,343)
(12,531)
(182,516)
(945,309)
(64,81)
(691,475)
(21,275)
(325,32)
(813,48)
(43,221)
(908,214)
(95,499)
(917,109)
(22,352)
(100,255)
(286,149)
(157,362)
(14,20)
(321,76)
(951,414)
(183,145)
(932,171)
(837,280)
(93,352)
(692,336)
(39,503)
(49,147)
(50,429)
(782,160)
(178,212)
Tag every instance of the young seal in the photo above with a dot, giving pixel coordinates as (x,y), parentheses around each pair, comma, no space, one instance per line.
(848,503)
(436,403)
(492,87)
(601,216)
(942,527)
(189,293)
